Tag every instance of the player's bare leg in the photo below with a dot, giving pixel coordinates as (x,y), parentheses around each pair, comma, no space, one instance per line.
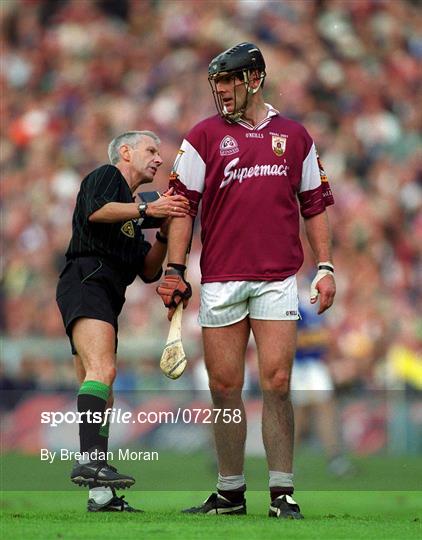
(224,354)
(276,345)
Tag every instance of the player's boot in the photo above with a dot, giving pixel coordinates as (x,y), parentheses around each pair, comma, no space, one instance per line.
(99,473)
(284,507)
(115,504)
(217,504)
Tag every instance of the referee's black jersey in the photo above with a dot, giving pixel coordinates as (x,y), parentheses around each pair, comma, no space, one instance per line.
(120,243)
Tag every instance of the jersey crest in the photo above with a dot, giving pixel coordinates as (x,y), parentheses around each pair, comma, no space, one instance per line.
(279,145)
(128,229)
(228,146)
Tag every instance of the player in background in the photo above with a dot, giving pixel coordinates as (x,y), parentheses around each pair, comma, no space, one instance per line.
(312,390)
(255,173)
(106,253)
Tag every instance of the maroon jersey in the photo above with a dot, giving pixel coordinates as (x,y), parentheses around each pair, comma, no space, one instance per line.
(252,181)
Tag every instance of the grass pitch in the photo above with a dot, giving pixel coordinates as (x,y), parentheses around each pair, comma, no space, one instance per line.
(328,515)
(364,508)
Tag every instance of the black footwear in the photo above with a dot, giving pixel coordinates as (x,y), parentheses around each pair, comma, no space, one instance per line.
(115,504)
(99,473)
(284,507)
(217,504)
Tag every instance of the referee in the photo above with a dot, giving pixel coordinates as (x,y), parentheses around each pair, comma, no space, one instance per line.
(106,252)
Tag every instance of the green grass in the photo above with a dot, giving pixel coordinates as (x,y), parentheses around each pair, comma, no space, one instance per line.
(328,515)
(368,506)
(196,472)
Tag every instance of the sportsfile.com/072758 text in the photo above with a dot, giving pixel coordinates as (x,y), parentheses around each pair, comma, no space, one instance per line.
(118,416)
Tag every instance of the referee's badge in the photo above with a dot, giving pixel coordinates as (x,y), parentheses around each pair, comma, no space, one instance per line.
(128,230)
(279,145)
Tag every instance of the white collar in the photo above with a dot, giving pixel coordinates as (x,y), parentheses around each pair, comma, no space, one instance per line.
(271,111)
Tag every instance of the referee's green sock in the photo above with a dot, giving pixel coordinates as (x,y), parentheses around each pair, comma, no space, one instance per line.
(104,434)
(92,396)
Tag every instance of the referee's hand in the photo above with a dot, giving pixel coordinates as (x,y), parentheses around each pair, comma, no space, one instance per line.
(169,206)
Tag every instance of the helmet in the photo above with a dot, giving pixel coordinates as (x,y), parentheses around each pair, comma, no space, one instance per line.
(238,58)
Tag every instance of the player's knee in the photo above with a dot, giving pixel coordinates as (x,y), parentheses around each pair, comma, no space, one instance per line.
(225,388)
(278,381)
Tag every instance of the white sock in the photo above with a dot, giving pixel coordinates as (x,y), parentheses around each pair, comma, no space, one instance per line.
(101,494)
(280,479)
(230,483)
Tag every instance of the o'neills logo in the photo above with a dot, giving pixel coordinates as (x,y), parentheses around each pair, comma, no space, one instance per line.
(242,173)
(228,146)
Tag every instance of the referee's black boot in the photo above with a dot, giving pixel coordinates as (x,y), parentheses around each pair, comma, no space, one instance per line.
(115,504)
(99,473)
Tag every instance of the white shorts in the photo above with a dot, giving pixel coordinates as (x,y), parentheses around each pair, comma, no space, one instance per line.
(229,302)
(310,383)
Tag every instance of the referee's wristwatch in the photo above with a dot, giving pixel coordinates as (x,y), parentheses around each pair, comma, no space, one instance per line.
(142,209)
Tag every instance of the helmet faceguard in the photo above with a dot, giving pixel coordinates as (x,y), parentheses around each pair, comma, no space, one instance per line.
(239,62)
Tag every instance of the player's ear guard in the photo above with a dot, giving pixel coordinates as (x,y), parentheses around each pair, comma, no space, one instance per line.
(150,222)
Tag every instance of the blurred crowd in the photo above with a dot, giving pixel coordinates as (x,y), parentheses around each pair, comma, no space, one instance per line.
(75,73)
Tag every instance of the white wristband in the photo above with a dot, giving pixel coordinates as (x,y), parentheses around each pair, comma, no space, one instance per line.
(324,269)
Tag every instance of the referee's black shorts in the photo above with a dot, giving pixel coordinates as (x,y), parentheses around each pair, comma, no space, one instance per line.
(90,287)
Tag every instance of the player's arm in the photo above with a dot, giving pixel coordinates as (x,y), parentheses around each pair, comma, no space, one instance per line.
(153,261)
(174,289)
(187,177)
(319,237)
(314,197)
(155,257)
(180,233)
